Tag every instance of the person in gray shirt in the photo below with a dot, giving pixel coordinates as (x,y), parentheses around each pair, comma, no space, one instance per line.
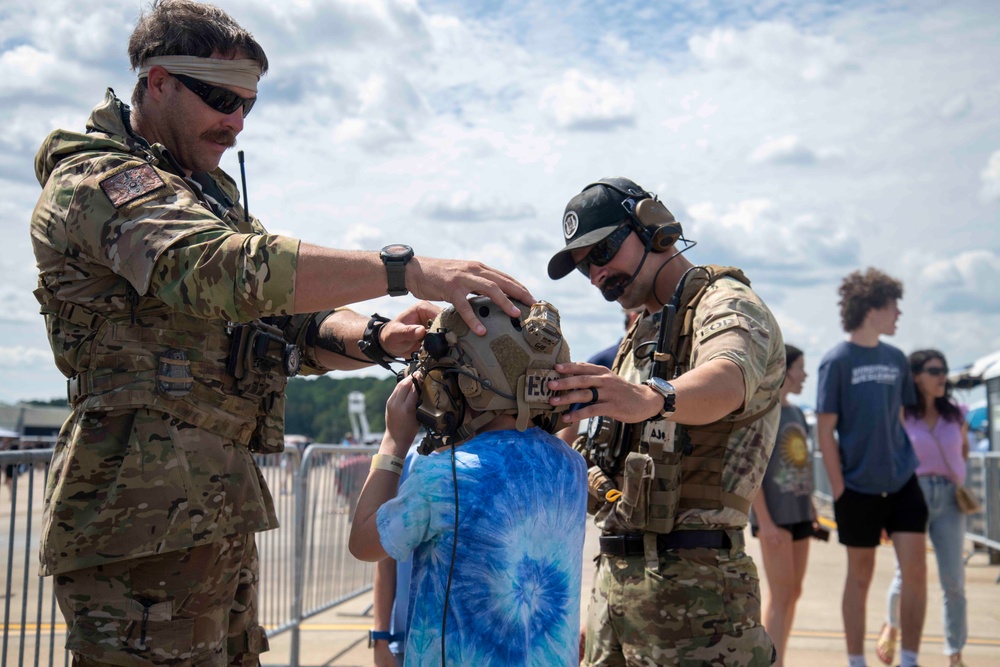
(782,515)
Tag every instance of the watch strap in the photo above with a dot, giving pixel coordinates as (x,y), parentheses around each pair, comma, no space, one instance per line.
(395,269)
(669,399)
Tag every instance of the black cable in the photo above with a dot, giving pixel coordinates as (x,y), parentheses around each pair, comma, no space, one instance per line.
(454,548)
(486,383)
(688,245)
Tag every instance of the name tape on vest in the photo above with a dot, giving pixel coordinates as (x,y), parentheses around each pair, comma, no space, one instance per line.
(659,433)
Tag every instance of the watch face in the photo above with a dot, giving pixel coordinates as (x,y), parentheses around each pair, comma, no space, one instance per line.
(292,360)
(397,250)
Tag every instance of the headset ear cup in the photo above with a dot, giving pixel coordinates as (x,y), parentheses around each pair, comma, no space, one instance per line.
(661,227)
(665,236)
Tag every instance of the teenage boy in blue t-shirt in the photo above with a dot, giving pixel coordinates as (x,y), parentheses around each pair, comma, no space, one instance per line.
(863,386)
(494,517)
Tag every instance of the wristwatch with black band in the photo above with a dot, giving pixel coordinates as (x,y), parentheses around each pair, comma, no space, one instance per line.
(666,390)
(395,257)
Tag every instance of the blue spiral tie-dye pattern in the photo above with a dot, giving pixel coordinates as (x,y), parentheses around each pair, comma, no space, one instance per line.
(515,591)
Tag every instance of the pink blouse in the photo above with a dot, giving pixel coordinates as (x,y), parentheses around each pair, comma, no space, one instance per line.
(949,434)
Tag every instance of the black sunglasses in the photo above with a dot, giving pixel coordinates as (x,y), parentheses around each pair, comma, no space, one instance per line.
(935,371)
(605,250)
(220,99)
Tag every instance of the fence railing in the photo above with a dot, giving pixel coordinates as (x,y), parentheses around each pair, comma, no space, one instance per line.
(305,567)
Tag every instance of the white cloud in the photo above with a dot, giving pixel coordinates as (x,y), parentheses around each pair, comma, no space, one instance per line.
(783,150)
(580,102)
(463,206)
(774,49)
(990,176)
(756,232)
(965,282)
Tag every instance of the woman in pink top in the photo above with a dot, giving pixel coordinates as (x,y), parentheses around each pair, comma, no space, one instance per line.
(936,427)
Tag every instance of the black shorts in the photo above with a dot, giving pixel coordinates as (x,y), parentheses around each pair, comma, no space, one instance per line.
(862,516)
(802,530)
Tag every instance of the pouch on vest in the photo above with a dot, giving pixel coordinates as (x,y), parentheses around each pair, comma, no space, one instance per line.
(666,453)
(633,506)
(173,376)
(268,438)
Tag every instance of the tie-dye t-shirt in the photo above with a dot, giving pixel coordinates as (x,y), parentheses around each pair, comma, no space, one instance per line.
(515,589)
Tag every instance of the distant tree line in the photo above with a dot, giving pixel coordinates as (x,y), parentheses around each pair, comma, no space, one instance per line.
(318,407)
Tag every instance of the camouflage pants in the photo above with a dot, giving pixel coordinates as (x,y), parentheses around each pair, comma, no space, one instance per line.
(701,608)
(191,608)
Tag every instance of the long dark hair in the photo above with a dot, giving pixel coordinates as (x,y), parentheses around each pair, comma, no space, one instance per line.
(949,411)
(791,354)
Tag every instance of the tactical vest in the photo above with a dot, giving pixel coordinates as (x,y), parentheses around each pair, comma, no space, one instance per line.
(153,357)
(178,366)
(664,475)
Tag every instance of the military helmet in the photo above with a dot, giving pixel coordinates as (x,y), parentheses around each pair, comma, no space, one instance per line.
(505,371)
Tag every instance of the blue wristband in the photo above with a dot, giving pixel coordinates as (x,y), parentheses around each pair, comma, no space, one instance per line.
(375,635)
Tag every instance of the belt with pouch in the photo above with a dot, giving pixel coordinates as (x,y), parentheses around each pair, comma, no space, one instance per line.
(632,544)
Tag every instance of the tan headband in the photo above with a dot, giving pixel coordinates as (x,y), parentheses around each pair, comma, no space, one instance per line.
(217,71)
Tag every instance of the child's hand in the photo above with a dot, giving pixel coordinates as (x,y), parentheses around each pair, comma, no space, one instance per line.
(401,417)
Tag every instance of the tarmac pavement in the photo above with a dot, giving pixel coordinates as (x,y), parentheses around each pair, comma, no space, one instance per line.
(339,637)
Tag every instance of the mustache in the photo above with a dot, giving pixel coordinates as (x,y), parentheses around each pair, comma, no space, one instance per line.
(220,136)
(610,288)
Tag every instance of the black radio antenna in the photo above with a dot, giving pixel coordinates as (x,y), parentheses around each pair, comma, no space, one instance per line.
(243,179)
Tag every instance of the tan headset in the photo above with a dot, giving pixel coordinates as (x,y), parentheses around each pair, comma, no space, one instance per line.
(653,222)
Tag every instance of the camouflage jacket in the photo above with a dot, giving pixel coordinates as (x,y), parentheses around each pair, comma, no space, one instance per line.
(730,322)
(136,261)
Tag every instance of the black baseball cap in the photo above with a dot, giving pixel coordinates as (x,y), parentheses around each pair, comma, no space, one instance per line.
(591,216)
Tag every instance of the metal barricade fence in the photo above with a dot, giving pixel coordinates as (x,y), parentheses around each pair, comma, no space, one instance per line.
(33,628)
(982,479)
(305,566)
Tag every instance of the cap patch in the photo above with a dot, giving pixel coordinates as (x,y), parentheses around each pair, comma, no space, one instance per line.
(130,184)
(570,224)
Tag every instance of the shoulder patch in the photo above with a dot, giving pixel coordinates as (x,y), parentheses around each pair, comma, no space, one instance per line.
(128,184)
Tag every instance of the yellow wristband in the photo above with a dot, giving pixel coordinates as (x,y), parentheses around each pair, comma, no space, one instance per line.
(387,462)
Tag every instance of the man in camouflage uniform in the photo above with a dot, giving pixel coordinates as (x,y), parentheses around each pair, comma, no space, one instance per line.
(673,585)
(177,318)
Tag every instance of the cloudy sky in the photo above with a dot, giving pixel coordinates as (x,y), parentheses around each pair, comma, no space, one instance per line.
(799,140)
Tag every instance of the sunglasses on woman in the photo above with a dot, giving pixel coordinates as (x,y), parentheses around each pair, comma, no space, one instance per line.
(222,100)
(935,371)
(605,250)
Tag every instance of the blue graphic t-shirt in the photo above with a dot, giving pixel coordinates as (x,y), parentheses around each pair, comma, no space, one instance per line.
(515,589)
(866,388)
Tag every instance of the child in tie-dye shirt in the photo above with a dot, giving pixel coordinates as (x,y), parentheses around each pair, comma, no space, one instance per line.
(515,568)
